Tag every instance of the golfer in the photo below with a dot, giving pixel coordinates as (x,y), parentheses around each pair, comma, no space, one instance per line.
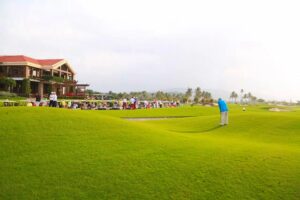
(223,111)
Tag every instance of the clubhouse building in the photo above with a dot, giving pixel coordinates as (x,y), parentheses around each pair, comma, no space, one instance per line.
(45,75)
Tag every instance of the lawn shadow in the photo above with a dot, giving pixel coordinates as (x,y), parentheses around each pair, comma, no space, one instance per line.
(213,128)
(153,118)
(199,131)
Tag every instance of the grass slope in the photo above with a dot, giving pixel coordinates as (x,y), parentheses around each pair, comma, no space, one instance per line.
(66,154)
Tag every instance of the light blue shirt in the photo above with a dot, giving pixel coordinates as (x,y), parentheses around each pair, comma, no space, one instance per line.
(222,106)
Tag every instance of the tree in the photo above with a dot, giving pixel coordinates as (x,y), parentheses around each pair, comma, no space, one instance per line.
(249,96)
(48,88)
(242,91)
(206,95)
(159,95)
(179,97)
(198,95)
(145,95)
(11,84)
(206,98)
(235,97)
(26,87)
(188,94)
(253,99)
(89,92)
(232,94)
(8,83)
(245,97)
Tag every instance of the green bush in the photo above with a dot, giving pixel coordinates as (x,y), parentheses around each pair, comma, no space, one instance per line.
(53,78)
(22,103)
(17,103)
(8,83)
(4,94)
(72,97)
(26,87)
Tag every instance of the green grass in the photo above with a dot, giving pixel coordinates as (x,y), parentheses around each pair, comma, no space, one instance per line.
(16,98)
(71,154)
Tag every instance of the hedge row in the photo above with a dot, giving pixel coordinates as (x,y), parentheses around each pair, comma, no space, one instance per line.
(15,103)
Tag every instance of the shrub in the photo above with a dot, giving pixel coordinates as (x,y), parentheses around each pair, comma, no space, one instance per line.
(4,94)
(53,78)
(72,97)
(8,83)
(26,87)
(22,103)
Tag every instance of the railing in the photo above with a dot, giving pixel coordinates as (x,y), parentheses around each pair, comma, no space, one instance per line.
(57,79)
(72,94)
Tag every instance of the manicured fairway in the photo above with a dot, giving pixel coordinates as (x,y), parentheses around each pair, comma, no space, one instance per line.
(48,153)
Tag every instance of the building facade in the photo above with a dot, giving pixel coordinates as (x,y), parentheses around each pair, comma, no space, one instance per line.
(45,75)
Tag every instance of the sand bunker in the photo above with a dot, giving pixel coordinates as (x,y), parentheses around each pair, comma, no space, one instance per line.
(278,110)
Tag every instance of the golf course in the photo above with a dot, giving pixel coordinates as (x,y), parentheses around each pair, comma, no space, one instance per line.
(168,153)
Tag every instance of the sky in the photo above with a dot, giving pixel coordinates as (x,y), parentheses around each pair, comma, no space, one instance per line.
(163,45)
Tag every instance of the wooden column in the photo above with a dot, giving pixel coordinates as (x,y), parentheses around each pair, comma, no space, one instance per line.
(7,71)
(41,89)
(27,73)
(59,71)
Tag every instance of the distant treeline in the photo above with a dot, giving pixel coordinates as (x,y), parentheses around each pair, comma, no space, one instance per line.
(190,96)
(244,97)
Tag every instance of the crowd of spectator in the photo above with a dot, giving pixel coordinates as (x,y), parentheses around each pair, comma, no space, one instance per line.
(125,104)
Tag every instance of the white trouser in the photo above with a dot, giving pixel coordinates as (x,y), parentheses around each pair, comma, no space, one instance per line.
(224,118)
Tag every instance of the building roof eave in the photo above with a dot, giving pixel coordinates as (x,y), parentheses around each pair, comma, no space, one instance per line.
(56,65)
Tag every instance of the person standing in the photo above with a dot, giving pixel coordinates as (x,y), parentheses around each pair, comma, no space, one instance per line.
(124,104)
(132,103)
(160,103)
(51,96)
(37,99)
(136,104)
(146,104)
(223,111)
(54,99)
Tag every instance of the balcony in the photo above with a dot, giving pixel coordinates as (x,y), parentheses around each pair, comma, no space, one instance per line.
(58,79)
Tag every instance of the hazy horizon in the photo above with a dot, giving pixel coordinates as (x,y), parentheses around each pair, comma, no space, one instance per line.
(162,45)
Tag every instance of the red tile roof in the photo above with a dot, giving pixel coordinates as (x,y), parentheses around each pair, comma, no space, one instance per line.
(21,58)
(49,61)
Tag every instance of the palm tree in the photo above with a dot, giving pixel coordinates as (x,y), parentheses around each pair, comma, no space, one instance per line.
(253,99)
(232,95)
(188,94)
(206,95)
(242,91)
(197,95)
(159,95)
(8,83)
(26,87)
(249,96)
(245,97)
(235,97)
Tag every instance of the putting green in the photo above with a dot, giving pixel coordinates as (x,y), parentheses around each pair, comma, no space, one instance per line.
(48,153)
